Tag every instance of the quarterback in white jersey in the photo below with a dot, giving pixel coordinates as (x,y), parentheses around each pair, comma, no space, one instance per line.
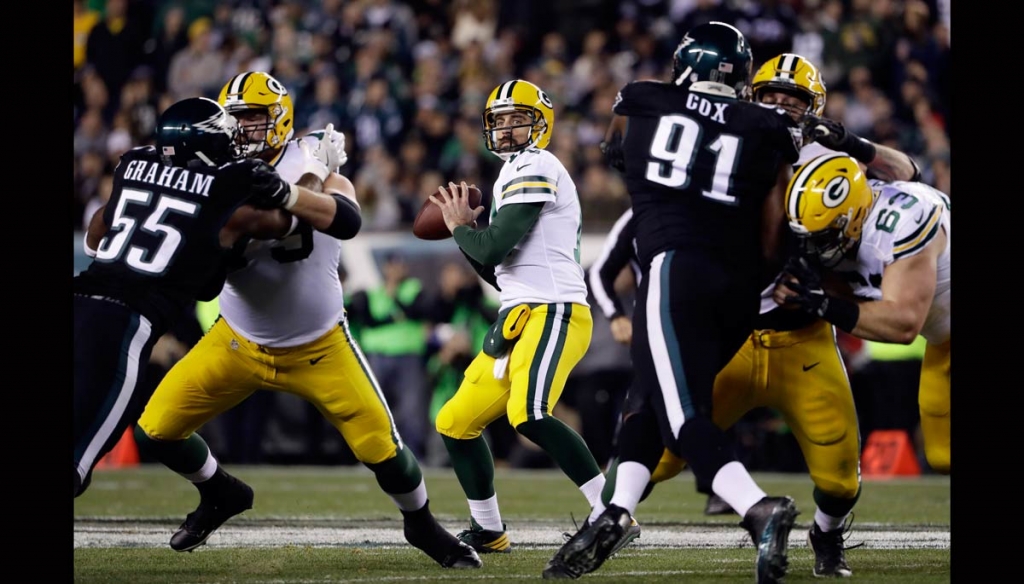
(283,329)
(544,266)
(530,251)
(889,245)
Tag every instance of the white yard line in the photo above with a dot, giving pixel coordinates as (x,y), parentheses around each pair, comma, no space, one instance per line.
(100,535)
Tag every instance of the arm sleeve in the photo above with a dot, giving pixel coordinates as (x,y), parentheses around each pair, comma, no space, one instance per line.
(485,272)
(347,220)
(618,250)
(490,246)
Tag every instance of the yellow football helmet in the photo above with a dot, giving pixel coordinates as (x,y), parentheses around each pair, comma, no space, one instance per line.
(793,74)
(519,95)
(258,90)
(827,201)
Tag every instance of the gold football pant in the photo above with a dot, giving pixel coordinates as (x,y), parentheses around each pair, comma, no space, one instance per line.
(933,400)
(801,374)
(224,368)
(555,338)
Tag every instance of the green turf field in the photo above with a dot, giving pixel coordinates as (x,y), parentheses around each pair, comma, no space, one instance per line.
(334,525)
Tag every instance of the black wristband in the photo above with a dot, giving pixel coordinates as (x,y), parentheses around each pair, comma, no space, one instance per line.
(859,148)
(842,313)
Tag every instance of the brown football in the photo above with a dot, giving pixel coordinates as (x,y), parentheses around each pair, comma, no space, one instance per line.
(429,223)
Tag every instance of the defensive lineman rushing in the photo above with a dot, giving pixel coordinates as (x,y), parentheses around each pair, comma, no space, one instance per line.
(282,328)
(161,242)
(530,253)
(706,171)
(791,362)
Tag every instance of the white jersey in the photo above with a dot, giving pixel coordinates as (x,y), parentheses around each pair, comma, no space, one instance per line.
(545,265)
(289,293)
(905,217)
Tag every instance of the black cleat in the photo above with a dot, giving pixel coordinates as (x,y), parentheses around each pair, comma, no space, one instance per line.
(830,552)
(587,550)
(769,522)
(717,506)
(422,530)
(486,541)
(232,498)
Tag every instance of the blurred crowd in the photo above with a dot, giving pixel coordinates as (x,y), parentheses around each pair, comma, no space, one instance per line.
(407,81)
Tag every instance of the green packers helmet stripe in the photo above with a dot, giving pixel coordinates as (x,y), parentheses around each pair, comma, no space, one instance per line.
(800,182)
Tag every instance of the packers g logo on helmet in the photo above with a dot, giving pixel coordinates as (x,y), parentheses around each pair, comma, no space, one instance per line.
(795,75)
(258,90)
(522,96)
(827,201)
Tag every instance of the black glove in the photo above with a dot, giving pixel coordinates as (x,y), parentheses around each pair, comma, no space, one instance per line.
(267,190)
(613,153)
(832,134)
(802,270)
(810,297)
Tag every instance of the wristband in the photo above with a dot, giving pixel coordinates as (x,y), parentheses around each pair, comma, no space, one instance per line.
(841,312)
(859,148)
(293,197)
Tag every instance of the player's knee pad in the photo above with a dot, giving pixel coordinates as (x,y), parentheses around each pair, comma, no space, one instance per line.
(449,424)
(668,467)
(838,485)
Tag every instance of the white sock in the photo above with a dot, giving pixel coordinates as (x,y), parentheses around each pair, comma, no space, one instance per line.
(592,491)
(827,523)
(486,513)
(734,484)
(205,472)
(413,500)
(630,481)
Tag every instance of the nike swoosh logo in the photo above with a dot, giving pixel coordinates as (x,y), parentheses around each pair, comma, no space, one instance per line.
(811,366)
(317,360)
(518,168)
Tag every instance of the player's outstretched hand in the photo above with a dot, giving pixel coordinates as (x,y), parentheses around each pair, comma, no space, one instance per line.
(268,190)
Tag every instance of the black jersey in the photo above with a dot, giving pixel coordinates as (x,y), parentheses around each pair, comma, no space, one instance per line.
(162,249)
(699,166)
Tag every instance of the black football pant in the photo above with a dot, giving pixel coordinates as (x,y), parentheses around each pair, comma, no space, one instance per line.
(693,313)
(112,348)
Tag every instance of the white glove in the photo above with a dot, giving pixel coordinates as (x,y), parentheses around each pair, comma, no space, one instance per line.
(330,147)
(314,156)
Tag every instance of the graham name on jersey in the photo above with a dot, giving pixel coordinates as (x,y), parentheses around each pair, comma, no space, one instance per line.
(169,177)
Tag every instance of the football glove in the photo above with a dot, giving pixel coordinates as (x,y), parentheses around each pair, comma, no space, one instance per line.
(613,154)
(812,299)
(328,146)
(832,134)
(801,269)
(267,190)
